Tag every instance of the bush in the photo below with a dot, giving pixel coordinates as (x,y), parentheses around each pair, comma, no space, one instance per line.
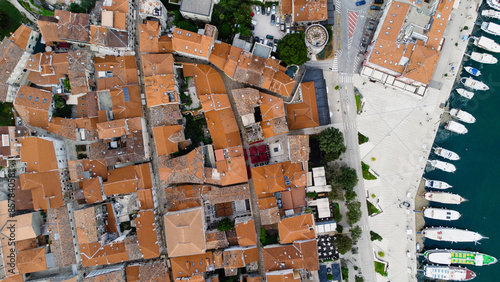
(329,277)
(292,49)
(366,172)
(75,8)
(350,196)
(381,254)
(339,228)
(67,86)
(61,109)
(362,139)
(374,236)
(371,208)
(225,224)
(380,268)
(354,214)
(187,26)
(343,243)
(311,194)
(337,216)
(331,141)
(356,232)
(265,239)
(359,279)
(345,273)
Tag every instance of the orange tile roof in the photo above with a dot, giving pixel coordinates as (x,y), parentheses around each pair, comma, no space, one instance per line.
(422,64)
(112,129)
(286,7)
(86,225)
(146,198)
(309,11)
(245,230)
(126,102)
(128,179)
(72,26)
(207,79)
(282,84)
(21,36)
(39,154)
(183,197)
(183,169)
(192,43)
(152,271)
(45,189)
(147,234)
(149,34)
(239,257)
(268,179)
(296,228)
(94,254)
(167,138)
(33,106)
(153,64)
(160,90)
(299,255)
(123,69)
(211,102)
(187,266)
(32,260)
(232,61)
(185,232)
(304,114)
(48,29)
(38,79)
(219,54)
(268,202)
(282,276)
(230,171)
(92,189)
(223,128)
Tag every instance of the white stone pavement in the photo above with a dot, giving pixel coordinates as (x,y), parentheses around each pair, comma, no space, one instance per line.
(402,128)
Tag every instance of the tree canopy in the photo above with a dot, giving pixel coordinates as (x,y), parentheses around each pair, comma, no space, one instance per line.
(231,17)
(225,224)
(354,214)
(356,232)
(341,177)
(331,141)
(292,49)
(343,243)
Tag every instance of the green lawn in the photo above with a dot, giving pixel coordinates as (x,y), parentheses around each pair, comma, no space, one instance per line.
(358,103)
(380,268)
(10,19)
(371,208)
(366,172)
(6,114)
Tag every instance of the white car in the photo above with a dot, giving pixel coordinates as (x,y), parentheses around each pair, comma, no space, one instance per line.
(257,10)
(277,21)
(273,9)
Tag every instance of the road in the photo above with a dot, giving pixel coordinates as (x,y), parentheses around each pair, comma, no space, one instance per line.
(21,9)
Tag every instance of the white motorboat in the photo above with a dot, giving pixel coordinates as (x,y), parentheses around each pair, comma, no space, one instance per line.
(473,84)
(487,44)
(444,198)
(464,93)
(447,154)
(491,14)
(456,127)
(441,214)
(491,28)
(462,116)
(448,273)
(447,257)
(436,184)
(449,234)
(483,58)
(495,4)
(444,166)
(473,71)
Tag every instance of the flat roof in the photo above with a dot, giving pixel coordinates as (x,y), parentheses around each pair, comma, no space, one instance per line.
(200,7)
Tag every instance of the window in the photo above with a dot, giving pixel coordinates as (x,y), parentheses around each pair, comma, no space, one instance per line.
(29,98)
(36,99)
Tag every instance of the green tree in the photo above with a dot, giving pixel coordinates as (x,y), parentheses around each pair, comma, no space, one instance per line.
(359,279)
(362,139)
(292,49)
(336,194)
(187,26)
(354,214)
(225,31)
(356,232)
(348,178)
(88,5)
(329,277)
(339,228)
(331,141)
(374,236)
(350,195)
(75,8)
(225,224)
(343,243)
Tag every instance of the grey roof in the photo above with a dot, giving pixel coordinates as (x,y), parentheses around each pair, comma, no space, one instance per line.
(316,75)
(261,50)
(200,7)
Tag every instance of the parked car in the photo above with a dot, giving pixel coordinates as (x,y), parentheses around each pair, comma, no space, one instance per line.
(375,7)
(257,10)
(266,41)
(275,48)
(273,9)
(282,27)
(287,30)
(268,11)
(263,9)
(273,18)
(252,27)
(276,41)
(378,1)
(359,3)
(277,21)
(269,37)
(261,41)
(257,39)
(254,22)
(270,44)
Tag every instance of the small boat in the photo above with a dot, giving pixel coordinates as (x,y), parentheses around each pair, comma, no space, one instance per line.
(444,166)
(473,84)
(437,184)
(456,127)
(491,28)
(449,234)
(441,214)
(447,154)
(443,256)
(464,93)
(448,273)
(473,71)
(491,14)
(495,4)
(487,44)
(483,58)
(444,198)
(462,116)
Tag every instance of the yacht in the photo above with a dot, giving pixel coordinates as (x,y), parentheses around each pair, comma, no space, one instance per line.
(483,58)
(487,44)
(456,127)
(444,166)
(444,256)
(491,28)
(448,273)
(473,71)
(441,214)
(444,198)
(464,93)
(495,4)
(491,14)
(447,154)
(462,116)
(449,234)
(473,84)
(436,184)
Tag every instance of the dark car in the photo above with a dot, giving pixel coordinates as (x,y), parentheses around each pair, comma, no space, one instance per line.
(406,204)
(257,39)
(276,40)
(270,44)
(359,3)
(273,19)
(252,27)
(378,1)
(375,7)
(263,9)
(269,37)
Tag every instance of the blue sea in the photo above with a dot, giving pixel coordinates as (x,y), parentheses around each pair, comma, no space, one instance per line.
(477,176)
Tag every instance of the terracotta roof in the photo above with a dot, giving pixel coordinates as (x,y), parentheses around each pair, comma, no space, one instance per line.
(65,26)
(187,266)
(165,115)
(128,179)
(146,198)
(298,147)
(269,216)
(422,64)
(147,234)
(207,80)
(192,43)
(22,198)
(152,271)
(10,55)
(151,41)
(92,189)
(219,54)
(21,36)
(228,172)
(87,105)
(70,128)
(287,275)
(185,232)
(245,229)
(95,168)
(232,61)
(38,154)
(167,138)
(184,196)
(117,5)
(116,275)
(217,195)
(295,173)
(160,90)
(184,169)
(32,260)
(86,225)
(94,254)
(126,102)
(45,189)
(33,106)
(109,37)
(282,84)
(268,202)
(309,11)
(48,29)
(286,7)
(246,99)
(300,255)
(268,179)
(212,102)
(223,128)
(119,127)
(123,70)
(304,114)
(239,257)
(38,79)
(216,240)
(61,236)
(153,64)
(296,228)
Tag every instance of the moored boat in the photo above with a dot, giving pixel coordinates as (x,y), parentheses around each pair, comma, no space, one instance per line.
(473,84)
(487,44)
(444,166)
(462,116)
(448,273)
(443,256)
(464,93)
(437,184)
(491,28)
(449,234)
(441,214)
(447,154)
(490,14)
(473,71)
(495,4)
(483,58)
(444,198)
(456,127)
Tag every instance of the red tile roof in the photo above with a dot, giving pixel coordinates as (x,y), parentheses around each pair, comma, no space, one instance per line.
(296,228)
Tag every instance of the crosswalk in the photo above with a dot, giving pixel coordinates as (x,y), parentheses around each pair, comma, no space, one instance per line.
(335,65)
(357,61)
(338,5)
(345,79)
